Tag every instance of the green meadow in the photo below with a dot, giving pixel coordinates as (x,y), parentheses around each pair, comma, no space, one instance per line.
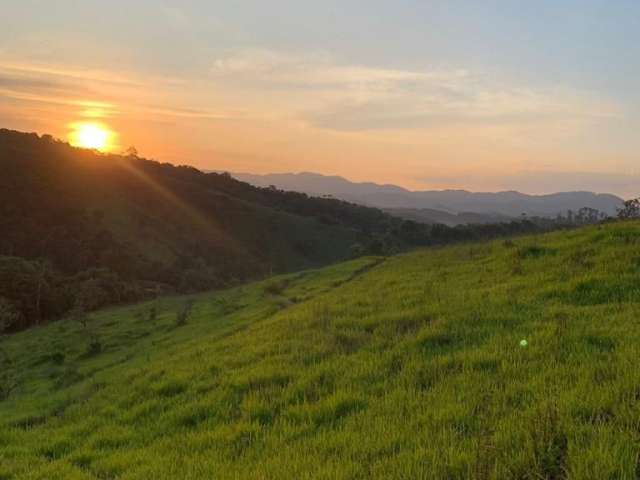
(403,367)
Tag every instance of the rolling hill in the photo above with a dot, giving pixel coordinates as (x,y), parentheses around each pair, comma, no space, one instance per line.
(82,230)
(486,206)
(78,226)
(410,366)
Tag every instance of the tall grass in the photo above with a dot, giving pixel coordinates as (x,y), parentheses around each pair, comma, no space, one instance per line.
(407,368)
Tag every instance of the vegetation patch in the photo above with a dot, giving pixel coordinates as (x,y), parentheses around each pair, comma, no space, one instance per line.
(602,290)
(435,343)
(275,287)
(56,449)
(601,343)
(194,415)
(534,251)
(171,388)
(550,445)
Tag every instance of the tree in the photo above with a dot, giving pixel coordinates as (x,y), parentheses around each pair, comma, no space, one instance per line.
(131,152)
(630,209)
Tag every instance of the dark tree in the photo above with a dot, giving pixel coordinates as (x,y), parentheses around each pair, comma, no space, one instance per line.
(630,209)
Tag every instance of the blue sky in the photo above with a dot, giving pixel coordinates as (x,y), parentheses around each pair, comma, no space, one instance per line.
(487,95)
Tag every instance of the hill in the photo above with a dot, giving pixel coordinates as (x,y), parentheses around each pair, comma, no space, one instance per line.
(84,230)
(79,226)
(401,367)
(510,204)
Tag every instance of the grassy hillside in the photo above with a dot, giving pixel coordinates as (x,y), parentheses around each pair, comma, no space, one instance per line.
(409,367)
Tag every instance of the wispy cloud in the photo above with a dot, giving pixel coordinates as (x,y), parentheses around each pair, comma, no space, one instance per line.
(96,93)
(350,97)
(66,71)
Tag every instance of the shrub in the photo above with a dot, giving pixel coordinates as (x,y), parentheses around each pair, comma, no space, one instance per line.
(58,358)
(95,346)
(275,287)
(534,251)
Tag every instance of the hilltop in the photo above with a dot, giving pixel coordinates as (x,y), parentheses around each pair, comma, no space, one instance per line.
(383,367)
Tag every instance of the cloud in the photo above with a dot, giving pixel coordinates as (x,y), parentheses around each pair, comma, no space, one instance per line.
(66,71)
(351,97)
(96,94)
(316,70)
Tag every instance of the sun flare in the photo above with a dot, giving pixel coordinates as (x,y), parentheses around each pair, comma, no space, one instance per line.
(94,136)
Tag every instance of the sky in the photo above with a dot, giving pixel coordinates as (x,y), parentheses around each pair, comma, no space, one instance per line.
(486,96)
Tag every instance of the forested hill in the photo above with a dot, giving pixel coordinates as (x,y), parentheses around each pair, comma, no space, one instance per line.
(79,226)
(82,229)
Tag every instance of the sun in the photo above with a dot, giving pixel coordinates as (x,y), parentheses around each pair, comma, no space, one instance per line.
(93,136)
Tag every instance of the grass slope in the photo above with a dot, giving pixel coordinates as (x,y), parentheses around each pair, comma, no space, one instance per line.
(404,368)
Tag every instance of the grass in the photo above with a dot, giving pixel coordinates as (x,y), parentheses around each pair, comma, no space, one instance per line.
(409,367)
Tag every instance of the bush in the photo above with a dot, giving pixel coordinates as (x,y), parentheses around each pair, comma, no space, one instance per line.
(58,358)
(95,346)
(275,287)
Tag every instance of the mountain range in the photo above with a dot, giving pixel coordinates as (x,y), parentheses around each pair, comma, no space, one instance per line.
(443,206)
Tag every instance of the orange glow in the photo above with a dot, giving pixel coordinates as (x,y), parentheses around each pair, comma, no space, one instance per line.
(94,136)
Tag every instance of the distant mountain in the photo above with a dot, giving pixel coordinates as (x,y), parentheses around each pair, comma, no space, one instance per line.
(454,202)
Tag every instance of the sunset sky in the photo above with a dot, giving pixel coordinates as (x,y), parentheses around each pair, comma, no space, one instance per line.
(536,96)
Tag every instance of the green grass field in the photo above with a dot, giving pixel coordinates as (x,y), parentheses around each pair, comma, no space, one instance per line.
(405,367)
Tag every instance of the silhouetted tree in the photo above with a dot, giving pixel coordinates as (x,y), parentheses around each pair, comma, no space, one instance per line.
(630,209)
(131,152)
